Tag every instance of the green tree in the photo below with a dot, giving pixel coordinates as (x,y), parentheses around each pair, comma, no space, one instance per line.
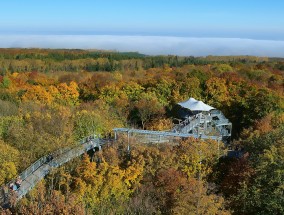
(263,192)
(6,82)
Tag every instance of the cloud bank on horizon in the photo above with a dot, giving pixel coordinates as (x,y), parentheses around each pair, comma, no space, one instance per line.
(151,45)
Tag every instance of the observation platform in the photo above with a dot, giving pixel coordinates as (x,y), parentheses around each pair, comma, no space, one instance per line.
(203,122)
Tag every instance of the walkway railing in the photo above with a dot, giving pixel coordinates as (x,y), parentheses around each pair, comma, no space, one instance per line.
(163,133)
(214,123)
(40,168)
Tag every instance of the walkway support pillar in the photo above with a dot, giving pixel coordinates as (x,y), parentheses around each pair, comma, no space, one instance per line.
(115,135)
(128,144)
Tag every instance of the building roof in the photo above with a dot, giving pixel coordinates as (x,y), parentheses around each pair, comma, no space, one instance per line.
(195,105)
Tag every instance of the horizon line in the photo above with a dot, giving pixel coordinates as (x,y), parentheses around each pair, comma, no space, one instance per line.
(150,45)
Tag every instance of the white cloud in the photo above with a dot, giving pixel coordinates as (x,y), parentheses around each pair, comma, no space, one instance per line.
(153,45)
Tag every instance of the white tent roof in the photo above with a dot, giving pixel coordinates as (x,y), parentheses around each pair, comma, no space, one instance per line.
(195,105)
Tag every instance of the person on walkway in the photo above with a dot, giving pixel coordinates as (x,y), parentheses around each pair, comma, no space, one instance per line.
(13,186)
(49,158)
(18,182)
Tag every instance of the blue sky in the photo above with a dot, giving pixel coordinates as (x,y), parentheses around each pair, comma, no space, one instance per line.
(243,19)
(255,19)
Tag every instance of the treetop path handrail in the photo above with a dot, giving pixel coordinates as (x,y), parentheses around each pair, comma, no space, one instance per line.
(165,133)
(40,168)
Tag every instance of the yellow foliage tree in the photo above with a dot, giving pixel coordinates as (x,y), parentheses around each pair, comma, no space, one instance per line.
(103,185)
(68,94)
(217,92)
(9,160)
(196,157)
(38,94)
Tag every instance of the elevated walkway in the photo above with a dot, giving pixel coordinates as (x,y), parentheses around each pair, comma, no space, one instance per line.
(213,125)
(161,134)
(208,125)
(39,169)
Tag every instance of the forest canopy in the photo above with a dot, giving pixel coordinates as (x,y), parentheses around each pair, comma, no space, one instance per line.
(50,99)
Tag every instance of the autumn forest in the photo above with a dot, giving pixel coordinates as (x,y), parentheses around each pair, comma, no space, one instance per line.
(50,99)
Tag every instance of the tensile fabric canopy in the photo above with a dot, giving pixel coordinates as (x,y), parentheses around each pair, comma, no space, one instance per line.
(195,105)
